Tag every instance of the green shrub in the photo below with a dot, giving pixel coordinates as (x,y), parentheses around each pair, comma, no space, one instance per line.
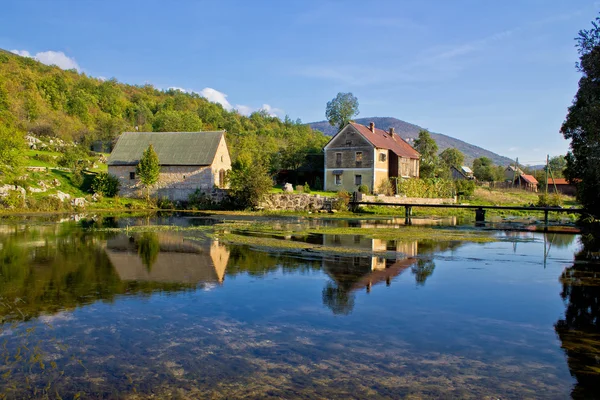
(249,185)
(318,184)
(553,200)
(13,200)
(44,158)
(77,178)
(72,157)
(426,188)
(363,189)
(385,187)
(342,200)
(306,188)
(165,204)
(105,184)
(464,188)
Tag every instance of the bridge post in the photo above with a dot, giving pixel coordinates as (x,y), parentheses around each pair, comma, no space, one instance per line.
(479,215)
(408,215)
(546,219)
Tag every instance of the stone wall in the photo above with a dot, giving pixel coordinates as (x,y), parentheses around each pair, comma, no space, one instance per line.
(406,200)
(175,182)
(297,202)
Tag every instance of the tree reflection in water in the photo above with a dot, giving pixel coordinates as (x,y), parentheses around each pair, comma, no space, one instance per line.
(148,248)
(579,330)
(338,299)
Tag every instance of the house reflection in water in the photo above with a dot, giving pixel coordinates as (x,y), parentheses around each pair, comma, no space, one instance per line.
(350,274)
(171,259)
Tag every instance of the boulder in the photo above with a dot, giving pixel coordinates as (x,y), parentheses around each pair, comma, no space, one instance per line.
(288,188)
(78,202)
(56,182)
(5,189)
(62,196)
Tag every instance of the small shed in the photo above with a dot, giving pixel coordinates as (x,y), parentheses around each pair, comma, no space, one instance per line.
(562,185)
(526,182)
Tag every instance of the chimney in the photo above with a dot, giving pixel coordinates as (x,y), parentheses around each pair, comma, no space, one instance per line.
(392,132)
(372,127)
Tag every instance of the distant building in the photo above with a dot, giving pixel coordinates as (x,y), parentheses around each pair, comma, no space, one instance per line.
(526,182)
(358,155)
(188,161)
(562,185)
(462,173)
(510,173)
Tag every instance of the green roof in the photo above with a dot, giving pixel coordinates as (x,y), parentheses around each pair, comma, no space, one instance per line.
(173,148)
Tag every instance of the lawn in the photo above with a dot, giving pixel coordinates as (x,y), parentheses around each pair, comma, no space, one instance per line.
(279,190)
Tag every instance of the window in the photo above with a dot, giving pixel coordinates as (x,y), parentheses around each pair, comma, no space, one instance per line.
(221,182)
(221,158)
(359,157)
(338,179)
(132,175)
(382,156)
(358,179)
(338,159)
(348,142)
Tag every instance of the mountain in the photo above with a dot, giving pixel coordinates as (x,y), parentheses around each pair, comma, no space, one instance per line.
(410,132)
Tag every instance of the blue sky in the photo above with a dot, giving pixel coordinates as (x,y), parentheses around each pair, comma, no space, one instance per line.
(499,74)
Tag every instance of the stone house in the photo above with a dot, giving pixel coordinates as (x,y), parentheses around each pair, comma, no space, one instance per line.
(511,173)
(188,161)
(461,173)
(359,155)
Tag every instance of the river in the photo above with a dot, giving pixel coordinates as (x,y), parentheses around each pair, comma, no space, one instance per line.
(91,310)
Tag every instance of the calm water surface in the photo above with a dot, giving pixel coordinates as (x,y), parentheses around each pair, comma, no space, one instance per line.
(112,315)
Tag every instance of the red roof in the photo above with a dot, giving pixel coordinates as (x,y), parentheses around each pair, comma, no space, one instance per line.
(529,179)
(558,181)
(382,139)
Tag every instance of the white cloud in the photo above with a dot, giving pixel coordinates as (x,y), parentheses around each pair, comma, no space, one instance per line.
(273,112)
(50,57)
(244,110)
(217,97)
(22,53)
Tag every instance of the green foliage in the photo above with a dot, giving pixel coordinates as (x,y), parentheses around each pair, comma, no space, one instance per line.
(342,201)
(73,157)
(77,178)
(452,157)
(582,122)
(13,200)
(557,166)
(249,184)
(341,109)
(105,184)
(318,184)
(148,169)
(363,189)
(148,248)
(48,101)
(552,200)
(485,170)
(385,187)
(464,188)
(428,149)
(426,188)
(12,148)
(306,188)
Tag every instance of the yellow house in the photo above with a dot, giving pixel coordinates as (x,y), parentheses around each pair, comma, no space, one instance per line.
(360,155)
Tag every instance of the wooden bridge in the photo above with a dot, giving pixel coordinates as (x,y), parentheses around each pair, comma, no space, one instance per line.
(479,210)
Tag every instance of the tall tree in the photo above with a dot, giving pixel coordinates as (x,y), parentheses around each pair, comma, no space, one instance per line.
(557,166)
(341,109)
(428,149)
(148,169)
(582,124)
(12,146)
(452,157)
(484,170)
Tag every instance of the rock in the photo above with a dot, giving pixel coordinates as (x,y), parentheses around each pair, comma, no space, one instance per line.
(78,202)
(6,189)
(56,182)
(96,196)
(61,196)
(36,190)
(288,188)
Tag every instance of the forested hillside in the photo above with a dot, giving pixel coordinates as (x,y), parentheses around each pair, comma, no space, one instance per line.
(411,131)
(47,101)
